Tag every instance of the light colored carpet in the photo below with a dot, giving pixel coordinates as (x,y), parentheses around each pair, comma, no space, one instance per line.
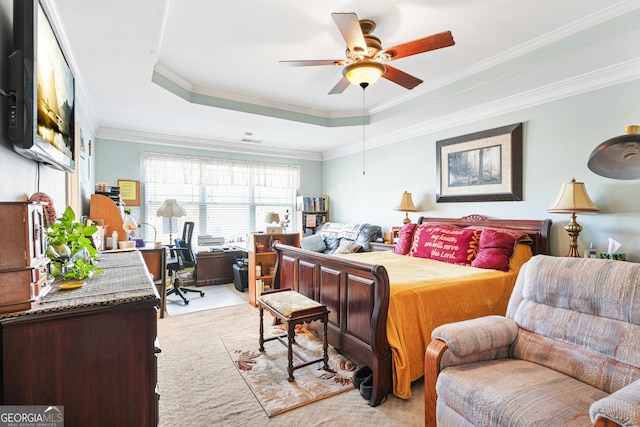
(214,296)
(200,385)
(266,372)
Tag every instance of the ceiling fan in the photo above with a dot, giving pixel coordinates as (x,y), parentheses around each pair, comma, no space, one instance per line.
(366,60)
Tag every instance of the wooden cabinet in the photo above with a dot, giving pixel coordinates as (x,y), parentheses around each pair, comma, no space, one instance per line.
(379,246)
(23,263)
(216,267)
(92,350)
(102,208)
(261,255)
(156,262)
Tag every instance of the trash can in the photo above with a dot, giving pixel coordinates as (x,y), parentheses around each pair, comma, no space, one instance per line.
(241,274)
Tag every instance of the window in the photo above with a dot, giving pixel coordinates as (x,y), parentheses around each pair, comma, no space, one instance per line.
(226,198)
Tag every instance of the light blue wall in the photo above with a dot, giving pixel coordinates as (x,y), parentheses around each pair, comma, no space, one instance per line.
(121,160)
(558,139)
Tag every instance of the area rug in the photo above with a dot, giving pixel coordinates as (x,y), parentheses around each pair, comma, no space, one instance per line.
(214,296)
(266,372)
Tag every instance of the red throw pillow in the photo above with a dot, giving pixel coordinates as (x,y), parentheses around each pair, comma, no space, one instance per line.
(404,239)
(444,243)
(520,236)
(496,249)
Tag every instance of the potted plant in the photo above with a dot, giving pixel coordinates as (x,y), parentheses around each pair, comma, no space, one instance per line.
(70,249)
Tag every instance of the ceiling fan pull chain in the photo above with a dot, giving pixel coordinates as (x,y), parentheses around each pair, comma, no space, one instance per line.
(364,123)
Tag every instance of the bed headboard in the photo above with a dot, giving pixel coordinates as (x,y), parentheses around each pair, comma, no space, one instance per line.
(537,229)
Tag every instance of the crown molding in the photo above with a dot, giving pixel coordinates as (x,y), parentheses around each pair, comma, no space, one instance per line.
(185,89)
(203,144)
(609,76)
(588,82)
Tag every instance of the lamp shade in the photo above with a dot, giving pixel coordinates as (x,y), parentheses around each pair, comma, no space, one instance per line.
(364,72)
(406,203)
(573,198)
(618,157)
(272,217)
(170,208)
(128,224)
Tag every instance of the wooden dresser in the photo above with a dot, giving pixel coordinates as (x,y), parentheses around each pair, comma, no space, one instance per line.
(91,350)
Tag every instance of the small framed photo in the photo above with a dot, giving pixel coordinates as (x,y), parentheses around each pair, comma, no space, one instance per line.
(395,234)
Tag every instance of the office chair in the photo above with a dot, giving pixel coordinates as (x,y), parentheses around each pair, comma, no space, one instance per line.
(182,263)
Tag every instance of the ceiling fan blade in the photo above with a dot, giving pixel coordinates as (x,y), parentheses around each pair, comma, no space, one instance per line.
(349,27)
(311,62)
(433,42)
(340,86)
(401,78)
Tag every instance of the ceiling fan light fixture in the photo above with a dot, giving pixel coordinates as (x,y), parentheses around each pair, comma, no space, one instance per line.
(364,72)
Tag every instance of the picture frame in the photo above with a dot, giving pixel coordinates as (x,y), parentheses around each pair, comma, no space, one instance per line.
(83,150)
(130,191)
(395,234)
(484,166)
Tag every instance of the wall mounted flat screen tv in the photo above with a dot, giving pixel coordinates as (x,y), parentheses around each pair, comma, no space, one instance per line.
(42,115)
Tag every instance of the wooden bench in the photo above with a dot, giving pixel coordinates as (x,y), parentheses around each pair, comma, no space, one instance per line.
(293,308)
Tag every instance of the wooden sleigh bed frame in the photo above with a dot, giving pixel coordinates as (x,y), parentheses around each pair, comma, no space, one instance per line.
(357,294)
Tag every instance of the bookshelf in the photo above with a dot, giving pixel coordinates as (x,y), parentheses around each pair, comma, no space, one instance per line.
(259,255)
(310,213)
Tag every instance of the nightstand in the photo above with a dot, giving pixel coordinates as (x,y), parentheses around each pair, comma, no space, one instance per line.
(379,247)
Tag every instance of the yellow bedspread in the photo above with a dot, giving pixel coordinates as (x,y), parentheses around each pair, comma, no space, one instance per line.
(426,294)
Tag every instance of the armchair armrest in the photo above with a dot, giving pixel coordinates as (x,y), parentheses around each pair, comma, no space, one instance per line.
(477,336)
(468,341)
(622,407)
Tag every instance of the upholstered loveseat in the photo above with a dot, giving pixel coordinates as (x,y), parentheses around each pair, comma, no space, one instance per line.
(334,237)
(567,353)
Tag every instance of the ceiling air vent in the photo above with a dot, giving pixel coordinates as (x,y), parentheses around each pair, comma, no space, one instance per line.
(248,137)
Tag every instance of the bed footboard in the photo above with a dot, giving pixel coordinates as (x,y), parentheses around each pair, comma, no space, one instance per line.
(357,296)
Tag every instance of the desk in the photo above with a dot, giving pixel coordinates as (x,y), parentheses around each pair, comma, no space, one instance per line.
(216,268)
(156,261)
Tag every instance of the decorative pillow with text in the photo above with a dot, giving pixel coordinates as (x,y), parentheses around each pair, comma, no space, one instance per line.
(444,243)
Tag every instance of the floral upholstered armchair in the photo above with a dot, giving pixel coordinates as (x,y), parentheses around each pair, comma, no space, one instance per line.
(567,353)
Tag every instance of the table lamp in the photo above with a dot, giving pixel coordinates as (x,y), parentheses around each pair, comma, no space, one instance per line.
(156,244)
(573,198)
(170,211)
(129,225)
(406,205)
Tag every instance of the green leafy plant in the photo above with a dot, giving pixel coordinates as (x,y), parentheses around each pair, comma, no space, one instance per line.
(70,249)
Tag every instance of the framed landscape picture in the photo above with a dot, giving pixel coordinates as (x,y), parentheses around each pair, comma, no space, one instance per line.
(480,167)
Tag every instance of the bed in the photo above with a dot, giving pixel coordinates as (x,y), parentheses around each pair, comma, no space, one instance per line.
(379,316)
